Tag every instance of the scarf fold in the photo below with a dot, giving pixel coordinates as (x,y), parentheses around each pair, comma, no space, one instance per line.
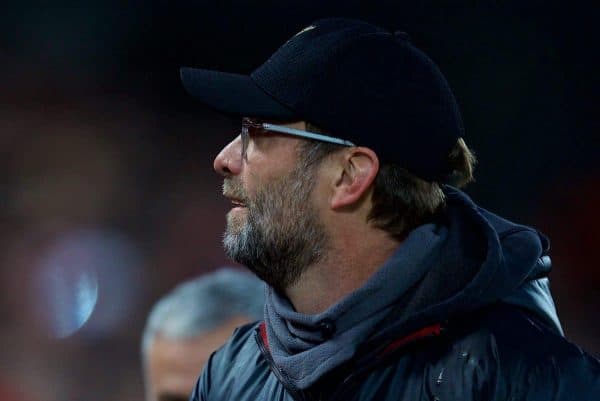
(305,347)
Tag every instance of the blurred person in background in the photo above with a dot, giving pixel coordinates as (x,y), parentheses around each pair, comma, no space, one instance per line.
(189,323)
(384,281)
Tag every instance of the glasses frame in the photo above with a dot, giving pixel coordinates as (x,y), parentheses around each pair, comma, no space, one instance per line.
(247,123)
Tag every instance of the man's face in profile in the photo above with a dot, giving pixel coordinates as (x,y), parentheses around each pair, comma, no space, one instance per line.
(274,228)
(172,366)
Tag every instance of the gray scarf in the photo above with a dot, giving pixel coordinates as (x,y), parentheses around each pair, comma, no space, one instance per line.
(305,347)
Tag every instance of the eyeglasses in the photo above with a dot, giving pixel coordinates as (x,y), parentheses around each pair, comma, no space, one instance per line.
(250,127)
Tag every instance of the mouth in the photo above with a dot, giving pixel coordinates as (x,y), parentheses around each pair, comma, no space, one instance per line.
(236,203)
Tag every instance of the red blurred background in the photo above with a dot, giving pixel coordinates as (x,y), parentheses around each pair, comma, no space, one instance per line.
(107,188)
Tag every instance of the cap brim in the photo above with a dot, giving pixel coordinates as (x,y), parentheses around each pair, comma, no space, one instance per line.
(232,94)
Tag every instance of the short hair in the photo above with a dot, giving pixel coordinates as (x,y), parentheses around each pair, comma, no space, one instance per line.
(402,201)
(203,304)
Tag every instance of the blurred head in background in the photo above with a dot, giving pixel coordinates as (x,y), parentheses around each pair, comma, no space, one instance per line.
(189,323)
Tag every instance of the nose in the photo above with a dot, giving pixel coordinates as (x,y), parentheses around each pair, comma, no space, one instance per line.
(229,161)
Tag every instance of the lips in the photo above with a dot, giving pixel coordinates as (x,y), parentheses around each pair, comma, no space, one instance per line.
(234,191)
(238,203)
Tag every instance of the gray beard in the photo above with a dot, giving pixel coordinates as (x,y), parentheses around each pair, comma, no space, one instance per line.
(282,235)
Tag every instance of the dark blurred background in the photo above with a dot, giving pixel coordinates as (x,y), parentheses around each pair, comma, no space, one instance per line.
(106,184)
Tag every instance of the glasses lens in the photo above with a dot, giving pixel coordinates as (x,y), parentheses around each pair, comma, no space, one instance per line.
(249,128)
(245,135)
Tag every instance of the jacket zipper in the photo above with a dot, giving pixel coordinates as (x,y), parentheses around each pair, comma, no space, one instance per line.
(296,395)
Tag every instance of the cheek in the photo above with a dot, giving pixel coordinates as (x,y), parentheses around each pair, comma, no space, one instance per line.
(249,183)
(322,190)
(253,180)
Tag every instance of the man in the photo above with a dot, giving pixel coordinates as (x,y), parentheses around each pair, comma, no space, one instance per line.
(384,283)
(189,323)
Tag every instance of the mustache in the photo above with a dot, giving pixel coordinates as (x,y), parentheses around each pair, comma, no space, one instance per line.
(233,188)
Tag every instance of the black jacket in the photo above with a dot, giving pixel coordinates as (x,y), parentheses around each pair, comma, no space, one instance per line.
(487,332)
(501,353)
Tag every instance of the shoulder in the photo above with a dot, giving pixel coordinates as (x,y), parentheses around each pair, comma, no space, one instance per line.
(514,354)
(518,332)
(240,340)
(237,354)
(237,370)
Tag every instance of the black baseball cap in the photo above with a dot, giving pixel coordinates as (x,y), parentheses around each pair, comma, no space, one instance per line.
(356,81)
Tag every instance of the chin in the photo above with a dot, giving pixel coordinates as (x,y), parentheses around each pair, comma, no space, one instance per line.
(235,224)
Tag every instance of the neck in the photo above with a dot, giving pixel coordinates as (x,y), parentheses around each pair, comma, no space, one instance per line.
(348,265)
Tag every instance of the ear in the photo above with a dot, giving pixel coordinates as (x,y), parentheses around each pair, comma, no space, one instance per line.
(359,169)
